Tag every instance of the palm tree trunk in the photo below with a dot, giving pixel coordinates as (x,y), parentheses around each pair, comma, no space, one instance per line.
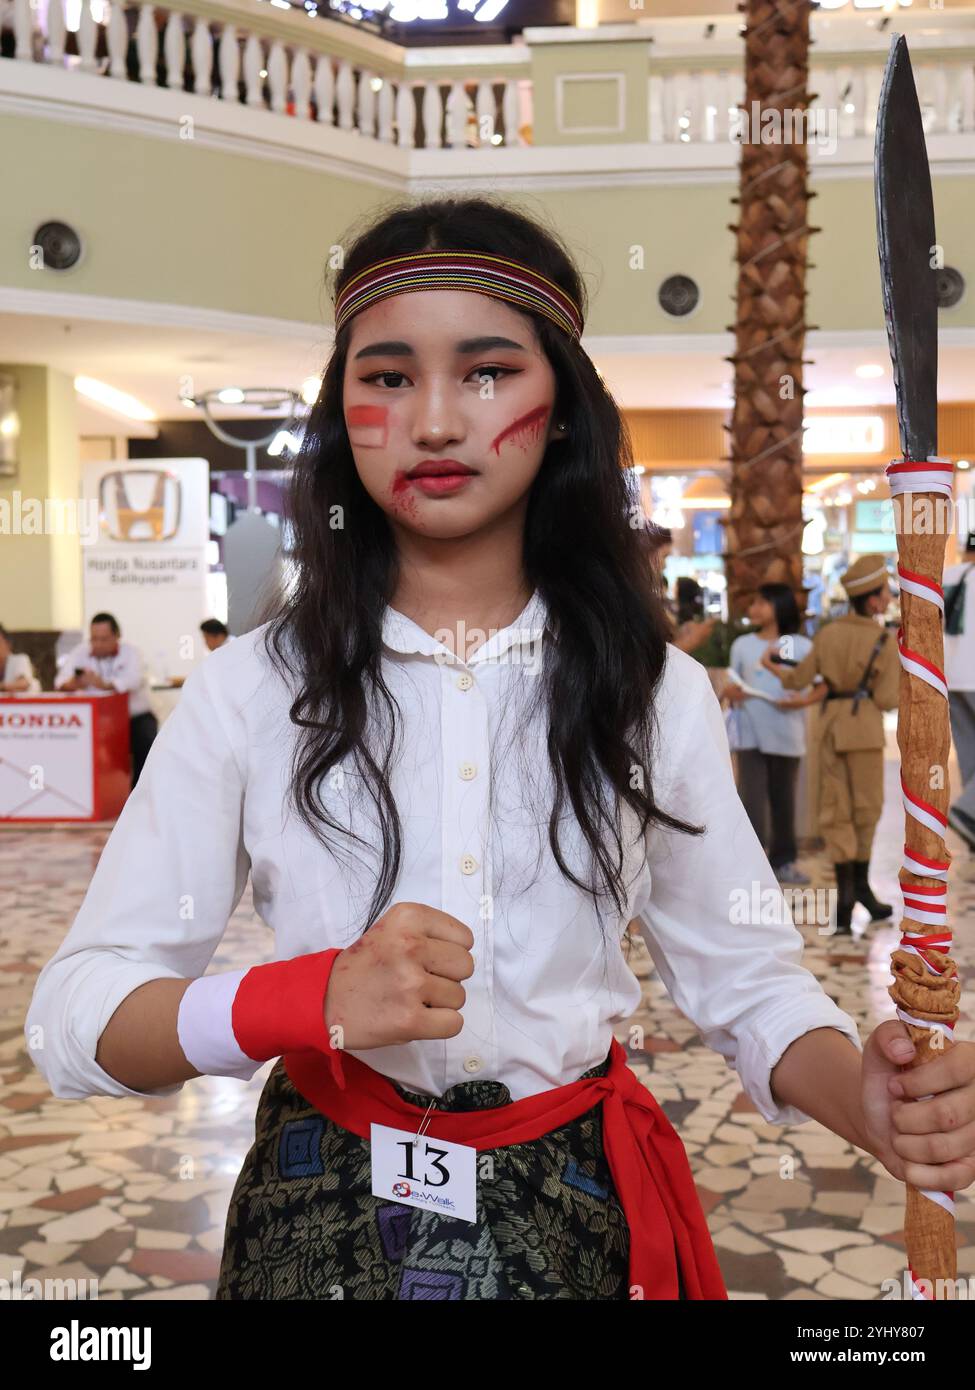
(764,525)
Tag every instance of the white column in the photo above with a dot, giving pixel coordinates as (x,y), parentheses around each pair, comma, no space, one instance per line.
(967,97)
(253,65)
(345,93)
(937,86)
(457,116)
(174,51)
(858,96)
(117,34)
(87,38)
(510,111)
(147,45)
(323,89)
(56,31)
(734,98)
(432,115)
(845,97)
(710,96)
(366,104)
(875,78)
(301,84)
(485,112)
(405,116)
(23,30)
(201,55)
(655,108)
(228,63)
(277,76)
(386,103)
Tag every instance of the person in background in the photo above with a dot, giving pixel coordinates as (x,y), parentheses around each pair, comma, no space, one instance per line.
(771,736)
(857,658)
(16,672)
(689,629)
(692,627)
(106,663)
(959,587)
(215,633)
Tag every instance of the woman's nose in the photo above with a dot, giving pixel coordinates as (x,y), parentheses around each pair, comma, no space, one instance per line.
(437,419)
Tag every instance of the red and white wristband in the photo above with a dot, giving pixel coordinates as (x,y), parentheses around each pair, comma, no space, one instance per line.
(231,1023)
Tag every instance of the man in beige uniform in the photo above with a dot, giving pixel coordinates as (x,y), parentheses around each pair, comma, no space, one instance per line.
(857,658)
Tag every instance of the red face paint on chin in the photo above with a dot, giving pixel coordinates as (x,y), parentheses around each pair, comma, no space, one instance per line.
(401,493)
(525,430)
(367,426)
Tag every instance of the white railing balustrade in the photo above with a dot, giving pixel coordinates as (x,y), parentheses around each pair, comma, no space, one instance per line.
(691,107)
(690,100)
(147,44)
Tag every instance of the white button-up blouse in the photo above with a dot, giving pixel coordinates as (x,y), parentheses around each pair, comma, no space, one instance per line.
(551,979)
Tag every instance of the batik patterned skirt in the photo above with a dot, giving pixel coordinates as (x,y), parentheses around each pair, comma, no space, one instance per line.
(303,1223)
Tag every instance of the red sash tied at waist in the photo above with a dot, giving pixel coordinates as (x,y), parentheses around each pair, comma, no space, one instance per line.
(646,1157)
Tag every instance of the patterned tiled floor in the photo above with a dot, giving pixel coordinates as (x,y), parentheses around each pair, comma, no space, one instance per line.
(135,1193)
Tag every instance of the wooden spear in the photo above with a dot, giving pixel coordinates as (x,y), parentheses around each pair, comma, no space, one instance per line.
(925,988)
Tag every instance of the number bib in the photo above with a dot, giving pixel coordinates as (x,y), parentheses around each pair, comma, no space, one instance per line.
(431,1174)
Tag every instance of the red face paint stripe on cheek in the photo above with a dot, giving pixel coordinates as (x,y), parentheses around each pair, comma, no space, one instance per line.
(525,430)
(367,425)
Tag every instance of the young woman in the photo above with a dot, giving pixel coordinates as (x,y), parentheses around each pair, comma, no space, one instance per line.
(772,734)
(458,762)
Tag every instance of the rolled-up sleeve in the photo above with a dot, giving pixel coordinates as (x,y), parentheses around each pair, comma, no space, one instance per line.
(172,872)
(717,924)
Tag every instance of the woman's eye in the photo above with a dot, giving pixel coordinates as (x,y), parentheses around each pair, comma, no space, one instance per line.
(481,372)
(375,378)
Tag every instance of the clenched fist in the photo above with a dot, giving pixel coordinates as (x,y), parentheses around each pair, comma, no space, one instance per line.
(401,981)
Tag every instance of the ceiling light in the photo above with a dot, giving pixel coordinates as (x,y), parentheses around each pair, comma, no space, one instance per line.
(830,480)
(119,401)
(310,388)
(869,371)
(283,441)
(843,434)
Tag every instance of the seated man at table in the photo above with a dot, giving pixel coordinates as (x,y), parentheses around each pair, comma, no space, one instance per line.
(106,663)
(16,670)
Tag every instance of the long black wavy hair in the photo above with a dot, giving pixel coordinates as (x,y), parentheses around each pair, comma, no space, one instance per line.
(585,552)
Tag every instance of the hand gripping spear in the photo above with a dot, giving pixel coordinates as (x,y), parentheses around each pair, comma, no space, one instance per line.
(925,988)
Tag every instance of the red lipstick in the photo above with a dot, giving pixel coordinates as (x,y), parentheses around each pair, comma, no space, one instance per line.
(436,477)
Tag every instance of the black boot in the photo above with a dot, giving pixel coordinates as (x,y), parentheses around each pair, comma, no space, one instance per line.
(864,894)
(845,898)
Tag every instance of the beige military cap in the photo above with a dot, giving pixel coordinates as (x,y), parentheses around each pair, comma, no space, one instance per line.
(864,575)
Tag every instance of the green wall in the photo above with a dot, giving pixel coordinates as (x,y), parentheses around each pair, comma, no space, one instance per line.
(40,575)
(178,223)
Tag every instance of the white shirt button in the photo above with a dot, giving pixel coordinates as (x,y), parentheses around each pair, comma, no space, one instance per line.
(468,864)
(473,1064)
(468,770)
(465,681)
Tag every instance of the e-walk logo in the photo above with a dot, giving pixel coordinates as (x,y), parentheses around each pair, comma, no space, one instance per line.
(78,1342)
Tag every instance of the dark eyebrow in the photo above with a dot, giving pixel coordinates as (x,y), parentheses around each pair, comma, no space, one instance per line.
(394,348)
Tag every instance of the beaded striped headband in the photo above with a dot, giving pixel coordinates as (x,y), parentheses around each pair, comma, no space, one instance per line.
(459,270)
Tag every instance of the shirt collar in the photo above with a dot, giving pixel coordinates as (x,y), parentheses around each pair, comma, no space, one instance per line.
(402,634)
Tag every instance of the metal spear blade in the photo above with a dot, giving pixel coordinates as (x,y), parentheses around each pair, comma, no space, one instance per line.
(907,242)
